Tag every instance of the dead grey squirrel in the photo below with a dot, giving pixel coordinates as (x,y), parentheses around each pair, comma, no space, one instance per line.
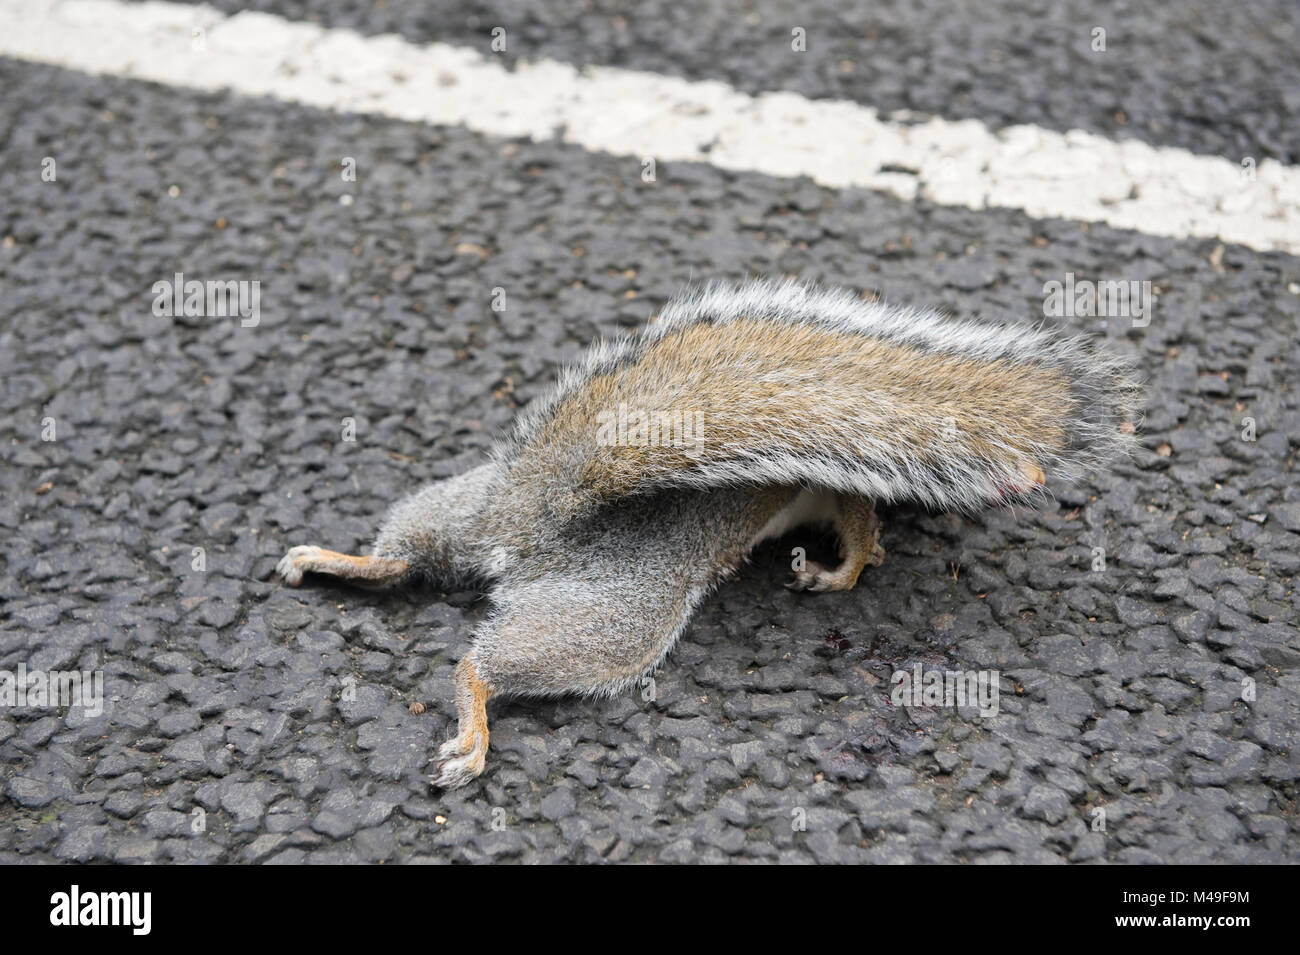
(756,408)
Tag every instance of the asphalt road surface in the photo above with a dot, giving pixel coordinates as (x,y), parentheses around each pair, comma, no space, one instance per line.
(1143,625)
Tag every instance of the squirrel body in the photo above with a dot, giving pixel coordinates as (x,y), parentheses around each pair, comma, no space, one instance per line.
(654,466)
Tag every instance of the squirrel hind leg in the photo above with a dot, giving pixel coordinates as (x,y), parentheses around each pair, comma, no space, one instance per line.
(554,637)
(462,757)
(362,571)
(859,531)
(593,632)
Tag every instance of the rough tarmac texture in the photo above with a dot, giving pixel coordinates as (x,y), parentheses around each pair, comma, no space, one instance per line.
(1219,78)
(275,721)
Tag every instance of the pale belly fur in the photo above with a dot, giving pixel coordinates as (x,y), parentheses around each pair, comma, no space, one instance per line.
(808,507)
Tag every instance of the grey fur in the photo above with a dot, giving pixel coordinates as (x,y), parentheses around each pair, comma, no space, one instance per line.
(643,564)
(586,607)
(589,598)
(439,529)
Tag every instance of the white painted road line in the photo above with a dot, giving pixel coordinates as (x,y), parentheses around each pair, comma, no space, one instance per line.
(1156,190)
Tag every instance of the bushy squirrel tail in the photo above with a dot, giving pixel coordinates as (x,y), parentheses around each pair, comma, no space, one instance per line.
(1103,412)
(792,384)
(1067,408)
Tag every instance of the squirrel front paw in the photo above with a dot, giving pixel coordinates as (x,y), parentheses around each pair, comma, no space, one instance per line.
(820,579)
(816,578)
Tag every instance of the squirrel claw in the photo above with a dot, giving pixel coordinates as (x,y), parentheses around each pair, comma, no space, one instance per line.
(457,771)
(455,767)
(816,579)
(292,564)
